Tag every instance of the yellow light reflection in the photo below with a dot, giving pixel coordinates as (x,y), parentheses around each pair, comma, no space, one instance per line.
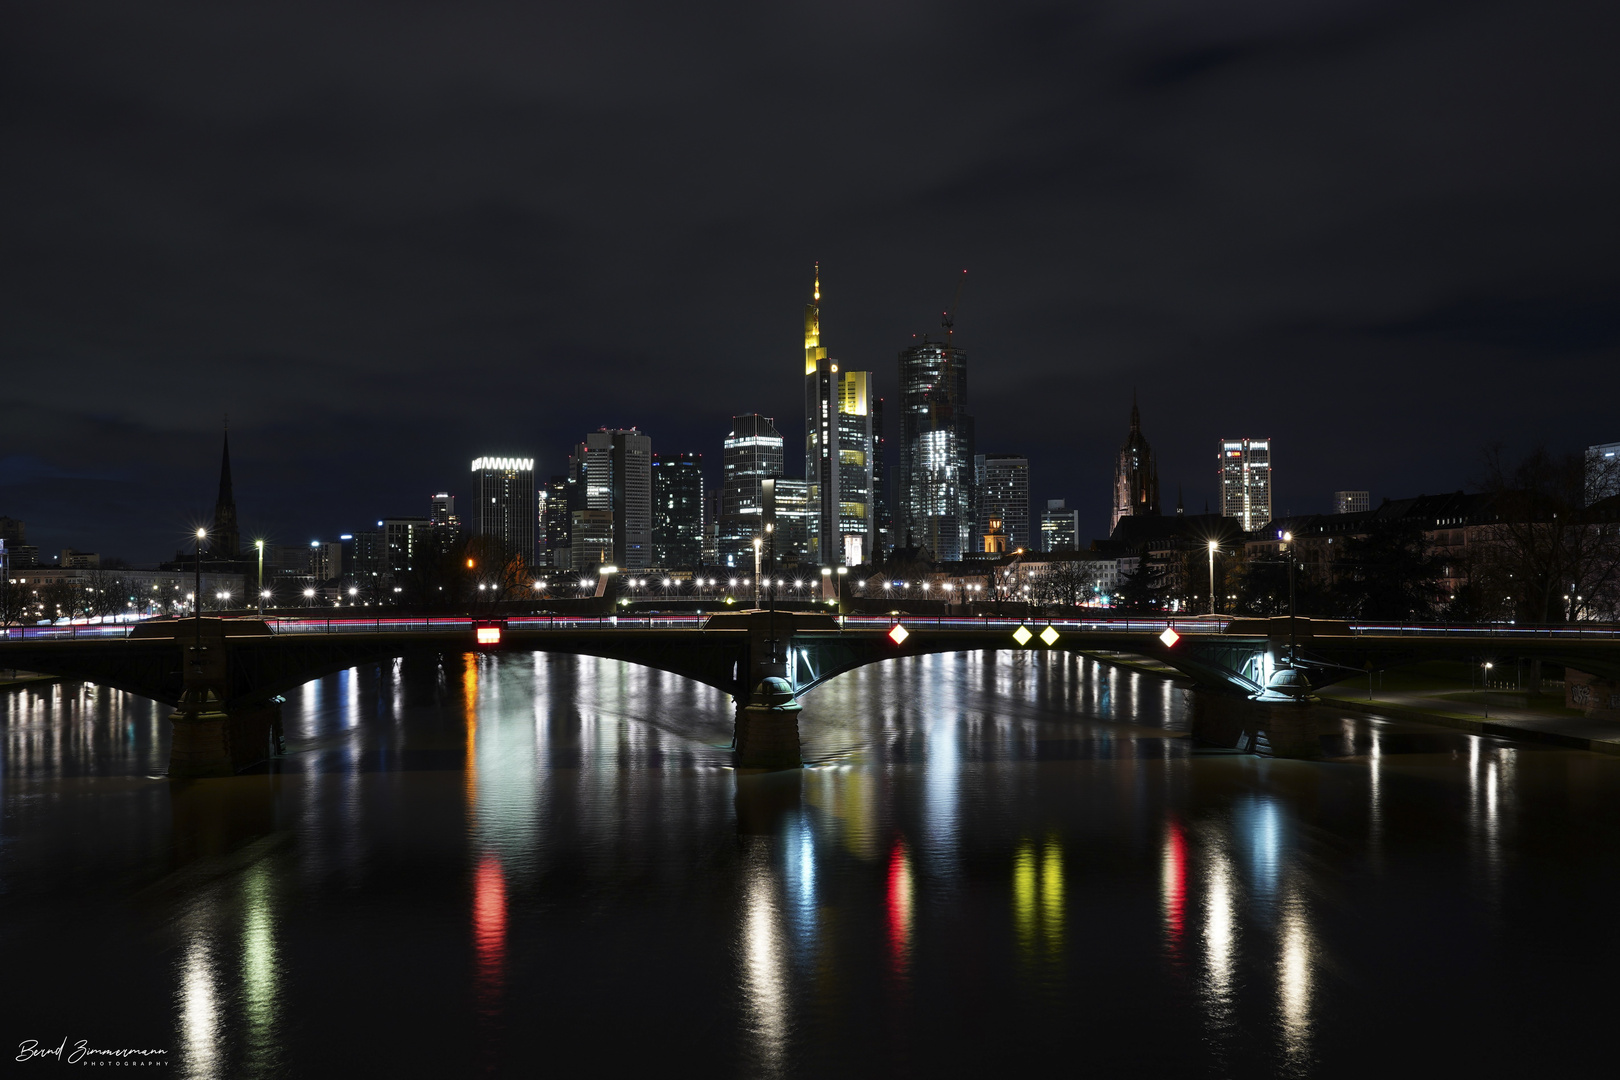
(1039,914)
(469,698)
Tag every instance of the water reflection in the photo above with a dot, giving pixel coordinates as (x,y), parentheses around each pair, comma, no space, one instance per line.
(201,1028)
(1294,962)
(898,903)
(764,962)
(260,971)
(1173,891)
(525,825)
(1039,912)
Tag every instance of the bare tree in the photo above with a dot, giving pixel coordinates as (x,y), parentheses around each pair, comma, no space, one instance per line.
(1553,543)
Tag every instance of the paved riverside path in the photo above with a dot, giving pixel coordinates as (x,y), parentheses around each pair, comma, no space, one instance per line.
(1507,721)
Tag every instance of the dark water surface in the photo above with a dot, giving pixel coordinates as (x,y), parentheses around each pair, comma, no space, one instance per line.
(532,865)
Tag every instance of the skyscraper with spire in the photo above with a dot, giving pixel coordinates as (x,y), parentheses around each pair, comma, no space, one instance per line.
(838,449)
(1136,474)
(225,539)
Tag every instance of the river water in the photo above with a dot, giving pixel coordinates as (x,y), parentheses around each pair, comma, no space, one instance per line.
(527,865)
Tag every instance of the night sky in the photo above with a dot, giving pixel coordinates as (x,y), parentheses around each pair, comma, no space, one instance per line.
(386,238)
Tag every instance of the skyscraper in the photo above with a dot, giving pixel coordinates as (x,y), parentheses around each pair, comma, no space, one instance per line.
(224,539)
(677,483)
(837,448)
(883,518)
(506,503)
(618,478)
(1136,475)
(1246,481)
(753,453)
(1001,487)
(934,487)
(1060,527)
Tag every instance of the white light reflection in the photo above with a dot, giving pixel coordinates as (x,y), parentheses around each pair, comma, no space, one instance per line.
(1294,981)
(1220,938)
(764,962)
(199,1004)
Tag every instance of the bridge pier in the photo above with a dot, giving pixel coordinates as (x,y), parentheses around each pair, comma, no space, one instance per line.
(767,725)
(1285,729)
(209,738)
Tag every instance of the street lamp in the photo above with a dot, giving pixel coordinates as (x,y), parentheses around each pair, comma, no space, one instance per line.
(1213,546)
(196,606)
(259,544)
(1486,697)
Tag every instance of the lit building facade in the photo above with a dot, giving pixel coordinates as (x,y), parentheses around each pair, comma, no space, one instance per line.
(506,503)
(1246,481)
(1060,527)
(618,479)
(1001,487)
(1602,471)
(934,485)
(753,454)
(838,460)
(1347,502)
(1136,475)
(677,483)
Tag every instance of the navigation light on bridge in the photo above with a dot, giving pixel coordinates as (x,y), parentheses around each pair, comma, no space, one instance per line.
(1050,636)
(898,634)
(1169,637)
(1022,636)
(489,635)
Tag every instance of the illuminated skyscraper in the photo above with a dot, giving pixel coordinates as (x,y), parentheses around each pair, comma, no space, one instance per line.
(618,478)
(1001,487)
(837,449)
(934,487)
(1060,527)
(1246,481)
(1136,475)
(677,510)
(753,454)
(506,502)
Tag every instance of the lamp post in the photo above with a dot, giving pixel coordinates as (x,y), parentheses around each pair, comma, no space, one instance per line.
(843,576)
(196,604)
(1213,545)
(1288,538)
(758,543)
(260,545)
(1485,698)
(770,531)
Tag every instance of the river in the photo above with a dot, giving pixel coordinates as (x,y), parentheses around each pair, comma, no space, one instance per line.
(521,864)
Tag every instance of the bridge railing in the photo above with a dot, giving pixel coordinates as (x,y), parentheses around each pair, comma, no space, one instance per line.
(1183,625)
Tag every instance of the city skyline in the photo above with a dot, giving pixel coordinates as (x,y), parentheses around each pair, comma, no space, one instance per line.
(453,253)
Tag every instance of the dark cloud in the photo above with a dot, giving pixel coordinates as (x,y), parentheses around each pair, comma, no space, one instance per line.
(388,237)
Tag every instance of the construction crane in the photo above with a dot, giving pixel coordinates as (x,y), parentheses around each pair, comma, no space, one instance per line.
(948,318)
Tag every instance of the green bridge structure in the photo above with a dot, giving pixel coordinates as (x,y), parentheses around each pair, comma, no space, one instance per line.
(224,677)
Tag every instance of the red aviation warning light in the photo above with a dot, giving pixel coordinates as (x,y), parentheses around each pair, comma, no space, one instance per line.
(1169,637)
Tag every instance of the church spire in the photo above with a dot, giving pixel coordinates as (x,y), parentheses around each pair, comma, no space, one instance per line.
(1136,414)
(225,539)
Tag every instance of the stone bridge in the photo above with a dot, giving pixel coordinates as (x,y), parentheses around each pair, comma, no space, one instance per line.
(223,676)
